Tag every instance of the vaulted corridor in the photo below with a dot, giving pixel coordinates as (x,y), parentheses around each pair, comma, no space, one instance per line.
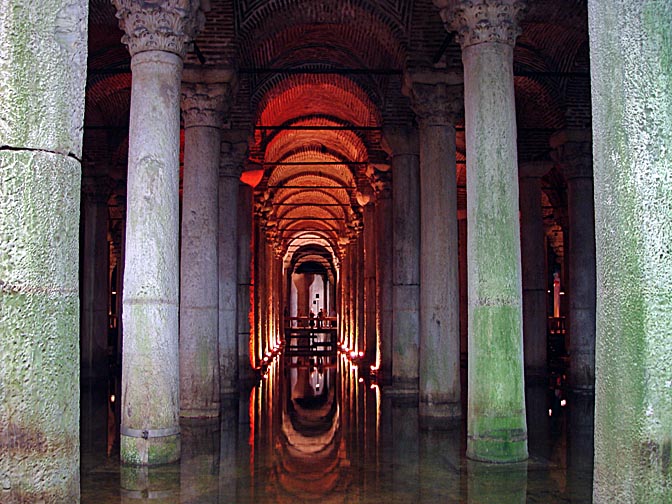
(342,250)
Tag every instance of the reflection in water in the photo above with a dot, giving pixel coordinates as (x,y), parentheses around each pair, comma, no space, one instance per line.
(316,431)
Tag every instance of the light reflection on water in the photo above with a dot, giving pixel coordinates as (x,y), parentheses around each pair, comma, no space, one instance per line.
(319,434)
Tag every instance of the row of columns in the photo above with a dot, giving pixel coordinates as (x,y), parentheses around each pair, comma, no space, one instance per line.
(418,305)
(633,422)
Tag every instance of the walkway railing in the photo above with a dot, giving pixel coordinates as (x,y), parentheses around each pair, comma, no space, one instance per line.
(310,336)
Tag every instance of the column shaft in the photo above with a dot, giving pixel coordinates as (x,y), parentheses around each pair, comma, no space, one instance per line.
(581,283)
(534,274)
(94,302)
(42,111)
(496,404)
(464,279)
(244,224)
(439,289)
(228,280)
(405,264)
(369,238)
(150,378)
(199,363)
(632,134)
(384,281)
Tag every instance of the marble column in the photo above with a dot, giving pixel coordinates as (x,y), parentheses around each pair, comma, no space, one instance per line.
(533,258)
(257,286)
(464,279)
(94,283)
(437,103)
(632,135)
(361,288)
(573,153)
(403,146)
(496,426)
(243,325)
(42,111)
(234,149)
(203,103)
(369,241)
(383,191)
(150,432)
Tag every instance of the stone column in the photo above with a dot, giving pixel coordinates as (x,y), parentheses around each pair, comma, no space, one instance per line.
(243,325)
(533,267)
(403,145)
(464,277)
(496,428)
(150,372)
(437,106)
(383,191)
(573,153)
(203,104)
(42,111)
(234,148)
(361,288)
(94,283)
(369,242)
(632,135)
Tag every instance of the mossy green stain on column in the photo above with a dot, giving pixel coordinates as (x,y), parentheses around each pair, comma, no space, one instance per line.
(631,70)
(497,430)
(39,314)
(496,424)
(43,74)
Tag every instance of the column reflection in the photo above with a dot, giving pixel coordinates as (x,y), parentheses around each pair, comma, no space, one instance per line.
(200,467)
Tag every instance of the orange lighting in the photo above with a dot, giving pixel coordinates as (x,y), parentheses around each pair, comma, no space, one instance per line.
(252,177)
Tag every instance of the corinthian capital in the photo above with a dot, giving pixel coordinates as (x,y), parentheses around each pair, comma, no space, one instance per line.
(437,96)
(233,151)
(478,21)
(159,25)
(573,153)
(204,104)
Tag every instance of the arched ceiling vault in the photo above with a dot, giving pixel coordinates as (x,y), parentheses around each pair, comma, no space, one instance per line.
(316,78)
(317,73)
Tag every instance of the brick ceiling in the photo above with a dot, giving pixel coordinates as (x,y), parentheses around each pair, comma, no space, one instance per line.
(318,79)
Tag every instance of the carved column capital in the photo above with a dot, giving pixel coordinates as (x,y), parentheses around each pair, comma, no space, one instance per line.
(231,158)
(478,21)
(382,184)
(573,153)
(437,104)
(205,104)
(159,25)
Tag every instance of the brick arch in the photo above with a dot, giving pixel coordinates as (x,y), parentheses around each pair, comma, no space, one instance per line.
(112,96)
(372,29)
(538,104)
(337,145)
(317,95)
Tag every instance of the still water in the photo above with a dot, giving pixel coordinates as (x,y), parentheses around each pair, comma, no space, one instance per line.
(323,433)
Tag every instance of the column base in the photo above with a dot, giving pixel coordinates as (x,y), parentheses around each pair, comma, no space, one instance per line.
(506,448)
(141,484)
(438,415)
(210,412)
(150,451)
(402,387)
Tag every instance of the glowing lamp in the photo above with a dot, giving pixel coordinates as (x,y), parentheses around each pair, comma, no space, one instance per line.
(252,177)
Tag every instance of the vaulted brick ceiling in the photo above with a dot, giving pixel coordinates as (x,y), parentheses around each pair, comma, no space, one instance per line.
(319,79)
